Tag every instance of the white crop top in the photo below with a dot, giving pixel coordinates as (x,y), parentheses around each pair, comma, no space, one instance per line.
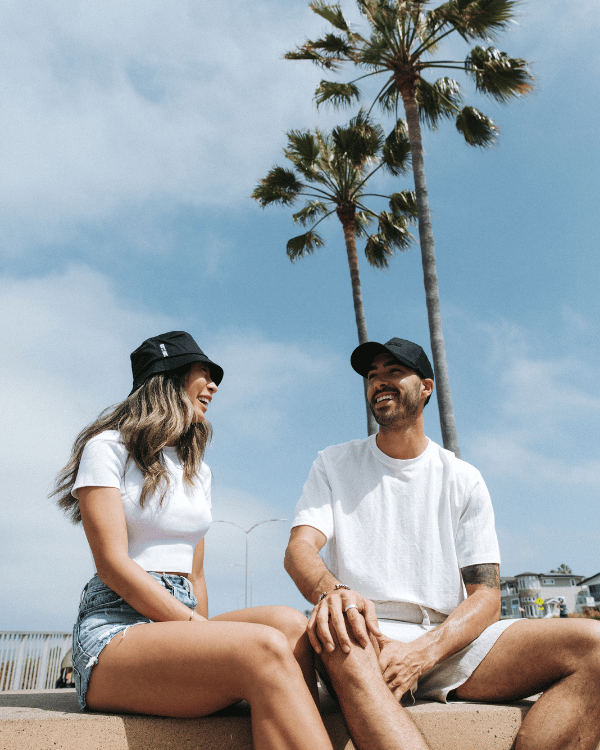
(160,538)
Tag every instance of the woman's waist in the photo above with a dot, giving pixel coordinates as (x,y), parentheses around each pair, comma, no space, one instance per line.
(161,573)
(96,594)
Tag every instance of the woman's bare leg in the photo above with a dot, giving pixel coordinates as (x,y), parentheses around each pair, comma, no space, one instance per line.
(292,624)
(188,669)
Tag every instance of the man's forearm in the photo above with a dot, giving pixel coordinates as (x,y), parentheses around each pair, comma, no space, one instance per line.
(463,626)
(404,663)
(307,570)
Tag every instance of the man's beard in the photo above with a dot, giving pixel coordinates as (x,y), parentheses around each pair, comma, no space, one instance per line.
(405,412)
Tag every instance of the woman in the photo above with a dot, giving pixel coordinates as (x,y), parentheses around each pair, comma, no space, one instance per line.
(143,642)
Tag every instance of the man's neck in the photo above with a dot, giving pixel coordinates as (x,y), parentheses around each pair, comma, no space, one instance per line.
(402,442)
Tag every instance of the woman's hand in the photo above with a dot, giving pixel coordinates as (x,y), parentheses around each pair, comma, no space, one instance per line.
(198,581)
(106,530)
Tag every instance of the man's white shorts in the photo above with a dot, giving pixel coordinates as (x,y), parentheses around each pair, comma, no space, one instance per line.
(454,671)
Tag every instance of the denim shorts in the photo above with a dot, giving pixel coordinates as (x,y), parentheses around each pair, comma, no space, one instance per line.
(103,614)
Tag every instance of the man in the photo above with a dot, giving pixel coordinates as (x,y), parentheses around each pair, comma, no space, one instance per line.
(407,599)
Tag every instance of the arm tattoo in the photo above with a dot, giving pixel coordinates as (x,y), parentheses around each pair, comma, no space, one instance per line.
(487,574)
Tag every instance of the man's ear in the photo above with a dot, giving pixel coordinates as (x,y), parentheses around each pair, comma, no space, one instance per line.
(426,387)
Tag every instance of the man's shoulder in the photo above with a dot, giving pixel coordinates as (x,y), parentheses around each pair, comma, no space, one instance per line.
(343,450)
(461,471)
(449,459)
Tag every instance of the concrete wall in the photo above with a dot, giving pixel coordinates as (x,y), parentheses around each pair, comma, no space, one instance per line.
(51,720)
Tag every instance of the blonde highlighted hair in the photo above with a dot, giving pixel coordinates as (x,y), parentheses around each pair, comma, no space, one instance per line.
(158,413)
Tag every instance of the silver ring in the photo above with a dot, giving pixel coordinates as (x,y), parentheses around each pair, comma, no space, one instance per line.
(350,607)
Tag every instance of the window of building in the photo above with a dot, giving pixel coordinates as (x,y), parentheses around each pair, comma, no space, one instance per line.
(528,582)
(548,581)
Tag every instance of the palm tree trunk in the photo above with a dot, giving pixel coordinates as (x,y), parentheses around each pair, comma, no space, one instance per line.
(359,310)
(432,295)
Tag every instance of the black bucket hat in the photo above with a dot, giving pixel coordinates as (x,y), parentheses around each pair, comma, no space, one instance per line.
(167,352)
(409,354)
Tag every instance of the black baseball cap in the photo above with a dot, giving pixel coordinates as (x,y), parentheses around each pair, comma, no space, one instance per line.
(409,354)
(167,352)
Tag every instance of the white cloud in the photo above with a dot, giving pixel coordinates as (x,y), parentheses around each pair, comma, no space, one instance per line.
(266,382)
(541,411)
(507,454)
(115,105)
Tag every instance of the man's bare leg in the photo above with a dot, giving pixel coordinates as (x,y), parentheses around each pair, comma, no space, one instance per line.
(375,719)
(559,657)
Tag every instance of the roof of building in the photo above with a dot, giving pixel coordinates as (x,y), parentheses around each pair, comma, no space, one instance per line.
(585,580)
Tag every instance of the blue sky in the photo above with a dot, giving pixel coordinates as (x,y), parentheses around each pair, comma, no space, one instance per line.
(133,135)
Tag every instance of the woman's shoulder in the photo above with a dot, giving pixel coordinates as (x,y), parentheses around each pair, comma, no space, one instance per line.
(109,441)
(103,461)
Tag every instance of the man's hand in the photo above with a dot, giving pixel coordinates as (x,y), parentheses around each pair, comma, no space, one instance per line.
(402,664)
(328,615)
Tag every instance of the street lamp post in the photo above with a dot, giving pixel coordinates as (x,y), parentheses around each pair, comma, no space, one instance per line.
(247,533)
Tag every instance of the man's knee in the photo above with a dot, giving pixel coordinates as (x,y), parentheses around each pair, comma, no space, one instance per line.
(355,668)
(584,643)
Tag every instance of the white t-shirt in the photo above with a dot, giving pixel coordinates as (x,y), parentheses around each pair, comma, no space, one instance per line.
(399,530)
(160,538)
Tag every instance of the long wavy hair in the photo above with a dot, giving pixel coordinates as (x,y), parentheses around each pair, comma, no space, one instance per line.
(157,413)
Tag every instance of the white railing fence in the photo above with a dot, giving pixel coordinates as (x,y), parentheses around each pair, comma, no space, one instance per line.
(31,661)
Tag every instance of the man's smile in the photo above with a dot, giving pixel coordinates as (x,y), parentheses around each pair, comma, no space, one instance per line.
(387,396)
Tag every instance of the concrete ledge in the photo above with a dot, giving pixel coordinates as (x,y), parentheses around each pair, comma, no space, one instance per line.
(51,720)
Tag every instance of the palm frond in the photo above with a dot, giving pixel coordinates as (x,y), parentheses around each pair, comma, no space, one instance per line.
(303,151)
(498,75)
(404,203)
(378,252)
(359,141)
(331,13)
(396,150)
(307,52)
(477,129)
(392,229)
(389,96)
(376,52)
(335,47)
(312,211)
(279,186)
(362,221)
(474,19)
(339,94)
(437,100)
(304,244)
(392,235)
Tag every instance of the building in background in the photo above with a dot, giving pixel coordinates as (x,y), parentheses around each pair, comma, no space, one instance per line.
(589,595)
(538,594)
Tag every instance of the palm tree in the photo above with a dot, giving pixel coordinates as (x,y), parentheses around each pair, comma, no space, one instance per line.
(331,171)
(403,38)
(562,568)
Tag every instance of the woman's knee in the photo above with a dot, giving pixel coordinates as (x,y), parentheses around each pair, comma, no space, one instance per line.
(269,647)
(291,622)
